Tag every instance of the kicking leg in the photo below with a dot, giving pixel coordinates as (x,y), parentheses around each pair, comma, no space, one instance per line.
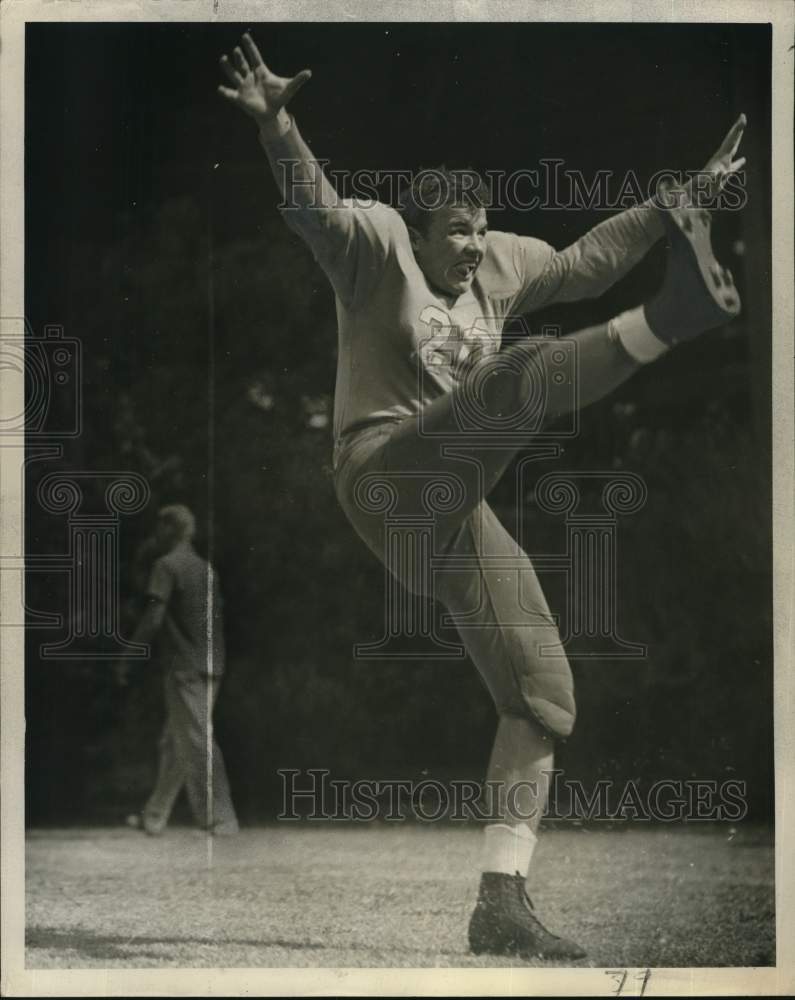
(495,388)
(697,294)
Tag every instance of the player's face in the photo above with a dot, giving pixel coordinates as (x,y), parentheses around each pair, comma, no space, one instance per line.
(450,252)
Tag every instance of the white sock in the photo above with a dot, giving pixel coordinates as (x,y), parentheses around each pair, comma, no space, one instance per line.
(508,849)
(636,336)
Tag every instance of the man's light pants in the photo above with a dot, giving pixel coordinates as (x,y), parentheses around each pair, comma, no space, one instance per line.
(190,756)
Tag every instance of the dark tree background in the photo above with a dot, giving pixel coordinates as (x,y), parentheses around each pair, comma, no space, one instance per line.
(209,346)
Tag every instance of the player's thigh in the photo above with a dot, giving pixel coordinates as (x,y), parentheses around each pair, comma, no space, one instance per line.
(489,586)
(407,496)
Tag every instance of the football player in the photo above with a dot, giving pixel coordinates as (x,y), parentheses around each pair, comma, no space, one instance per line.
(421,293)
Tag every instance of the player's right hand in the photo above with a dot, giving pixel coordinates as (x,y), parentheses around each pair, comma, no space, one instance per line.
(256,90)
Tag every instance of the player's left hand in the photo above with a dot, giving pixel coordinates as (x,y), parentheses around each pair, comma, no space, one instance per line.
(722,163)
(702,188)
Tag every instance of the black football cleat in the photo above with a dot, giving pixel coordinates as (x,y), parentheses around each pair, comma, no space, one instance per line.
(697,293)
(504,923)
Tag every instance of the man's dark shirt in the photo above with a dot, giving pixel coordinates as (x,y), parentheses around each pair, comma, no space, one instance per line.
(191,636)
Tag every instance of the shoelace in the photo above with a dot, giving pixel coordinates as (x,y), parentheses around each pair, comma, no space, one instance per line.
(528,902)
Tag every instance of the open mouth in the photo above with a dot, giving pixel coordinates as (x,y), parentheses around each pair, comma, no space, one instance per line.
(465,269)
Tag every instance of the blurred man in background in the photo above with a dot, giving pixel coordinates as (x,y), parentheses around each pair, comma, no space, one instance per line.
(183,618)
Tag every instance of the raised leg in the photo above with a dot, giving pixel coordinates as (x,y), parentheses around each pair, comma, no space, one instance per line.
(496,389)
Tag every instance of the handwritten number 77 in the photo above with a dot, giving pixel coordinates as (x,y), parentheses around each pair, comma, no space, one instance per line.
(620,976)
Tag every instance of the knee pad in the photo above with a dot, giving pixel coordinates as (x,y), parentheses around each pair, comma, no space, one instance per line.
(544,693)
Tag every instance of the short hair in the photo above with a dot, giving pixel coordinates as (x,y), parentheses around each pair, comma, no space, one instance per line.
(438,187)
(178,516)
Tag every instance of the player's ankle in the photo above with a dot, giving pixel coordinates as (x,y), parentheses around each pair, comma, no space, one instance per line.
(508,848)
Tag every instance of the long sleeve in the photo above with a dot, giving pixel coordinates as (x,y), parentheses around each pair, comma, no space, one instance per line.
(349,239)
(587,268)
(300,177)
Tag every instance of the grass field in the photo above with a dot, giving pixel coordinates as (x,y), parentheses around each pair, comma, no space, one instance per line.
(388,895)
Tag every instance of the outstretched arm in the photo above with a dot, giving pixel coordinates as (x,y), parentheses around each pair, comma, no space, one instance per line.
(588,267)
(264,97)
(349,243)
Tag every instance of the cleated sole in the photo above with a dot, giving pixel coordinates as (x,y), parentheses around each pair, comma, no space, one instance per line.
(697,293)
(695,226)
